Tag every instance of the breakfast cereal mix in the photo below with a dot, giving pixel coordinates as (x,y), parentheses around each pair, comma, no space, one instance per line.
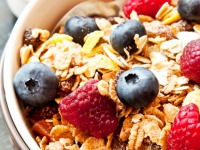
(77,65)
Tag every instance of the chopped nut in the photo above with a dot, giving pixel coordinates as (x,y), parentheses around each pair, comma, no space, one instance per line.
(103,87)
(156,28)
(25,53)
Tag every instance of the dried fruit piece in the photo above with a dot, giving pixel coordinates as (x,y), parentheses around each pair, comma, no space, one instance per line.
(44,112)
(35,37)
(173,17)
(58,38)
(89,111)
(42,128)
(92,40)
(65,86)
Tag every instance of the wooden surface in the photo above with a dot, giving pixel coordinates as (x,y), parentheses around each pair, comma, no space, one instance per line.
(7,21)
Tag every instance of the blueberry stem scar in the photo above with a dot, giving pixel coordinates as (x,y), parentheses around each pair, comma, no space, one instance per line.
(132,78)
(32,85)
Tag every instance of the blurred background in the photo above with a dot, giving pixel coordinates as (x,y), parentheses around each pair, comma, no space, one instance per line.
(7,21)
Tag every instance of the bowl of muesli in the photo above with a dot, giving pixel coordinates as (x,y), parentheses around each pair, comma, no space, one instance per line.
(110,81)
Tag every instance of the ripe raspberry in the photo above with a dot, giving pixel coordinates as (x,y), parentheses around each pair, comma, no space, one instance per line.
(143,7)
(190,61)
(185,131)
(89,111)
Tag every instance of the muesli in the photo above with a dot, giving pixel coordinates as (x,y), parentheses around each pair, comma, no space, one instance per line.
(96,67)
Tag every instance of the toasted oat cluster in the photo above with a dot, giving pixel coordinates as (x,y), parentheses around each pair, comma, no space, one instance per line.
(159,51)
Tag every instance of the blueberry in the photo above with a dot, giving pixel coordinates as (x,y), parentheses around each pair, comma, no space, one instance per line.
(122,36)
(78,27)
(189,10)
(35,84)
(137,87)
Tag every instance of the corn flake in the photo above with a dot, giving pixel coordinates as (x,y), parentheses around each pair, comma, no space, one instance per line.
(92,39)
(102,62)
(192,97)
(58,38)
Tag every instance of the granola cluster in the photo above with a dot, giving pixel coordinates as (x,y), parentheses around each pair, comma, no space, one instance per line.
(74,65)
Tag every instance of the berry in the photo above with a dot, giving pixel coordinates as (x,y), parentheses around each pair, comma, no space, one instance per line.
(137,87)
(185,131)
(189,10)
(143,7)
(190,61)
(122,36)
(88,110)
(35,84)
(78,27)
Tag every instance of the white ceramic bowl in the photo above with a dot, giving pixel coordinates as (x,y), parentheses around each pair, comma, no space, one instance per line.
(17,6)
(41,14)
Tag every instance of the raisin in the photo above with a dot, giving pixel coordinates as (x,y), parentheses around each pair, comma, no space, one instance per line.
(66,86)
(30,40)
(156,28)
(183,25)
(149,145)
(118,144)
(44,112)
(112,20)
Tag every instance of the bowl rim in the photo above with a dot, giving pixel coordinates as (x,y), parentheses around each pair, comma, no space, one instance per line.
(15,138)
(19,129)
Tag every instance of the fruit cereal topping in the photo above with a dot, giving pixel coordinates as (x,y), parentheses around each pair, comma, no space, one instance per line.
(89,111)
(143,7)
(132,85)
(35,84)
(122,82)
(185,130)
(189,10)
(190,59)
